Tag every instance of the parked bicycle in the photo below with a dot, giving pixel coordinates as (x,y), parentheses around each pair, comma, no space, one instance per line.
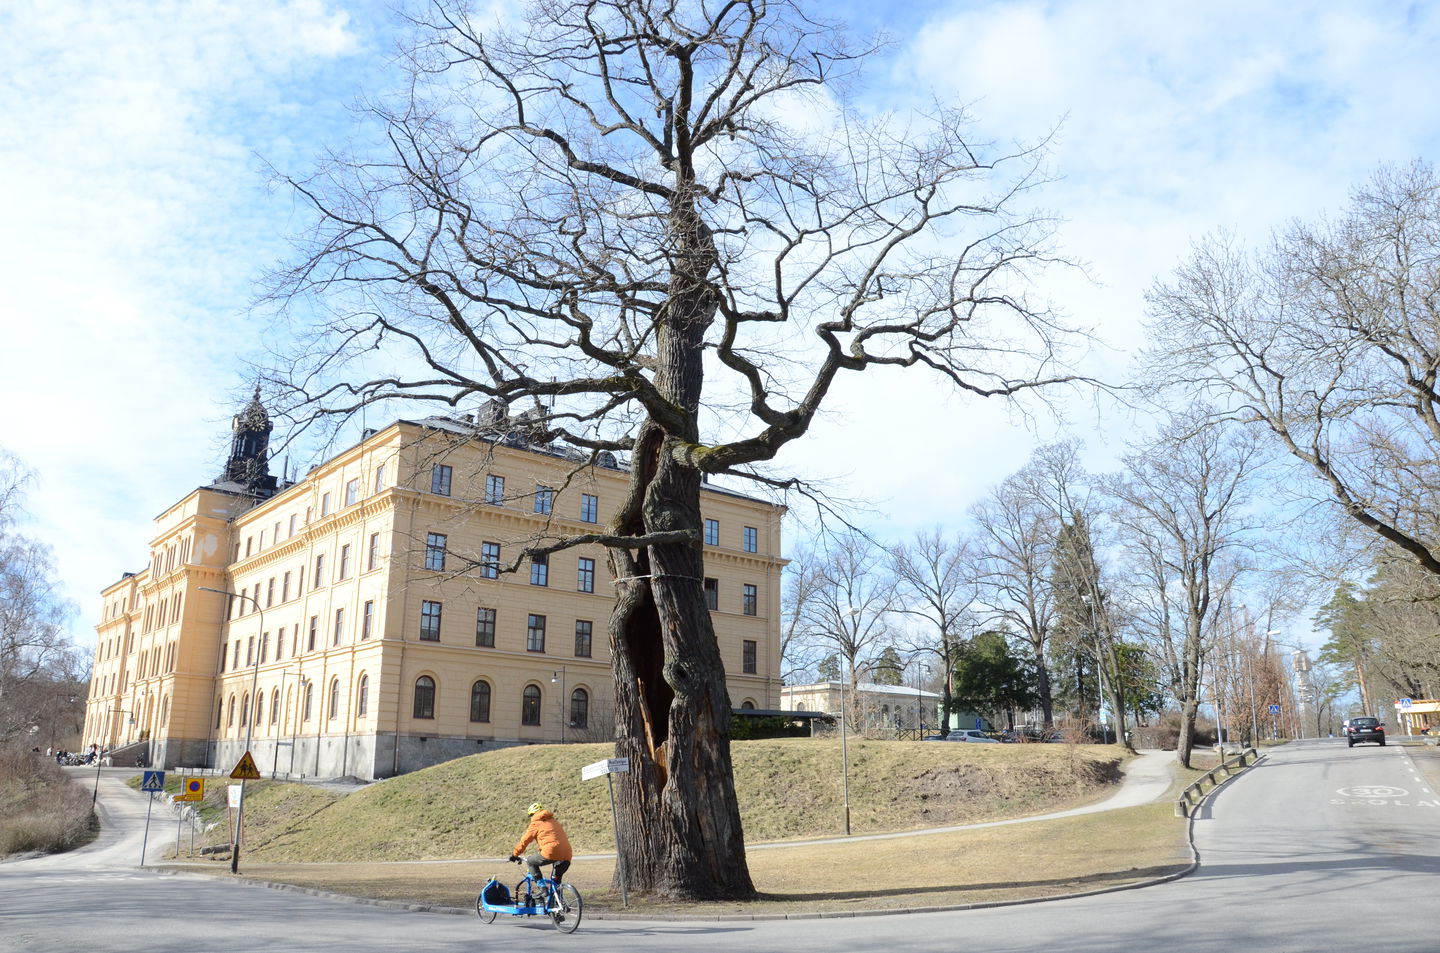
(547,896)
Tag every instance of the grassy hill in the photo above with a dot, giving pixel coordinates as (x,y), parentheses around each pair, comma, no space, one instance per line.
(788,789)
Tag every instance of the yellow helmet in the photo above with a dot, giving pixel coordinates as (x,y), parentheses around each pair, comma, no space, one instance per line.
(535,808)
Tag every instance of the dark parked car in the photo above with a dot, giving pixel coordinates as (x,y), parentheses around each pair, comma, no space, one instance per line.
(1364,729)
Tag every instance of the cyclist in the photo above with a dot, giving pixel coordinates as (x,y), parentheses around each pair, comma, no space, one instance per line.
(551,844)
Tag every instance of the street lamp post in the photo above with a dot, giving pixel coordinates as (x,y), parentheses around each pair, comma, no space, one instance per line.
(100,759)
(559,676)
(249,721)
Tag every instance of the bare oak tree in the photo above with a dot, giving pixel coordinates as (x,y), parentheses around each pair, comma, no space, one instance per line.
(1329,340)
(938,586)
(657,228)
(1184,516)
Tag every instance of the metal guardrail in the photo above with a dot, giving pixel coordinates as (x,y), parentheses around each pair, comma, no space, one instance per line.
(1195,792)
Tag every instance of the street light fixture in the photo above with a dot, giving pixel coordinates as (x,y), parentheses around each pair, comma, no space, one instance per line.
(559,676)
(249,711)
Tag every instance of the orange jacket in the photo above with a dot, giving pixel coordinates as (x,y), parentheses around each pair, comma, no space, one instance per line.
(544,829)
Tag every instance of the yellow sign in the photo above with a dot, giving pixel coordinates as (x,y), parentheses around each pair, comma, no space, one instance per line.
(246,770)
(192,790)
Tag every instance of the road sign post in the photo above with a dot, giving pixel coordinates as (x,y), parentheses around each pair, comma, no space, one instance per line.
(152,783)
(610,767)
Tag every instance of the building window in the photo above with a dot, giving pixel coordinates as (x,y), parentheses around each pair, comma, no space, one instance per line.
(309,705)
(334,698)
(229,713)
(318,579)
(372,558)
(352,492)
(380,478)
(345,561)
(244,709)
(435,552)
(314,631)
(540,570)
(712,532)
(579,708)
(249,547)
(250,651)
(285,588)
(339,632)
(270,593)
(544,500)
(585,575)
(362,697)
(367,620)
(589,508)
(535,634)
(275,707)
(584,631)
(480,701)
(712,594)
(490,560)
(293,518)
(280,644)
(430,621)
(530,706)
(424,696)
(440,479)
(750,600)
(485,627)
(495,489)
(264,646)
(324,505)
(752,539)
(747,657)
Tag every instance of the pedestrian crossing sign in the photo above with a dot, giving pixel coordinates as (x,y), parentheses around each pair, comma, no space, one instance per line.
(246,770)
(153,782)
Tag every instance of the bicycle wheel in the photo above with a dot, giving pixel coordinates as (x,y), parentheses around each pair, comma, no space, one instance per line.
(566,907)
(522,890)
(486,916)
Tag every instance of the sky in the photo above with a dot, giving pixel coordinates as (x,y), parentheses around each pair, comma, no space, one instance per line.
(135,134)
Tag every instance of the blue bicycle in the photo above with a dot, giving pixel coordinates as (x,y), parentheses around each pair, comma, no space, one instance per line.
(548,896)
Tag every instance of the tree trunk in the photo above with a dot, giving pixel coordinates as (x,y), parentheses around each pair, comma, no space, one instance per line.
(680,833)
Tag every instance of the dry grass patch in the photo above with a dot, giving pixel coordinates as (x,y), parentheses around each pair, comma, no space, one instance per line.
(1012,862)
(41,807)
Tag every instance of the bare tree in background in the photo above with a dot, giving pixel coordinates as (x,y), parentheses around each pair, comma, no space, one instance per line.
(657,228)
(1183,513)
(41,673)
(848,612)
(1329,341)
(799,658)
(938,588)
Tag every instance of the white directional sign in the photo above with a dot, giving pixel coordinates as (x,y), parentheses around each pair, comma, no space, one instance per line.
(601,768)
(153,782)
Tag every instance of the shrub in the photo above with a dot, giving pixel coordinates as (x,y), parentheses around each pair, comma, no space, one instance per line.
(41,807)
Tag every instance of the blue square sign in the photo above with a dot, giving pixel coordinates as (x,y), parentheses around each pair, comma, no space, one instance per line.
(153,781)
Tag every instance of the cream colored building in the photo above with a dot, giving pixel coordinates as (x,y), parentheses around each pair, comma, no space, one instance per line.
(877,710)
(371,624)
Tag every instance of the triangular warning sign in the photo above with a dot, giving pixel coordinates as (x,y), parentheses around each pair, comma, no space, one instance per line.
(246,770)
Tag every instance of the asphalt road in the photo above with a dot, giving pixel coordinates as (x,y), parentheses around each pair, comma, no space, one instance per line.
(1320,848)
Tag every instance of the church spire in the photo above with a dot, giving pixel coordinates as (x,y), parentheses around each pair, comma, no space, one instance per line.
(249,449)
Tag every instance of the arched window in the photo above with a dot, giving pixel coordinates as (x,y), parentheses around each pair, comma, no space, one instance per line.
(747,705)
(230,713)
(244,709)
(219,713)
(424,697)
(530,706)
(579,708)
(309,698)
(275,707)
(334,698)
(165,711)
(480,701)
(362,697)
